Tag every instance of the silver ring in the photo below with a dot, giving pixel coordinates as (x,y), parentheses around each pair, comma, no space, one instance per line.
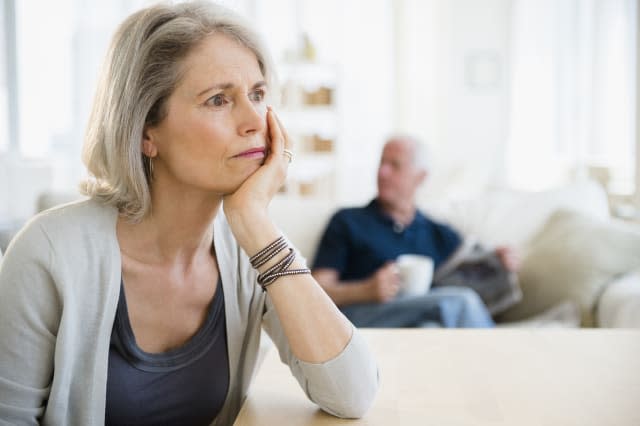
(288,154)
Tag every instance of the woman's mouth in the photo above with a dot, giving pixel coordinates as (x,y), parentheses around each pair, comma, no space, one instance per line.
(252,153)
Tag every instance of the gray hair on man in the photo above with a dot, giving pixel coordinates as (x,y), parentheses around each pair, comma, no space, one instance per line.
(142,69)
(421,153)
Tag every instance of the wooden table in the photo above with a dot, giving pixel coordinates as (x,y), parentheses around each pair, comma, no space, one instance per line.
(476,377)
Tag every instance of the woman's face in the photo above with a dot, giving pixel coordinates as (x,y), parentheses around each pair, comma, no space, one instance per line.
(214,134)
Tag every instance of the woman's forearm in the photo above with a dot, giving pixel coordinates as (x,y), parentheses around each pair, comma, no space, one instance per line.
(316,329)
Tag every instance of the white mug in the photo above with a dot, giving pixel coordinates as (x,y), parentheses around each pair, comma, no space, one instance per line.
(416,273)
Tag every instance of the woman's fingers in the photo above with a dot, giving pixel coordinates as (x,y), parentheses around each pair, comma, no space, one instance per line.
(275,132)
(279,138)
(285,135)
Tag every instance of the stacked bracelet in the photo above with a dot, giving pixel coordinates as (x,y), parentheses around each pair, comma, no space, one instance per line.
(278,270)
(267,253)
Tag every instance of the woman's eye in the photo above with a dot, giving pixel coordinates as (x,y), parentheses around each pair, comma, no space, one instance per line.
(217,100)
(257,95)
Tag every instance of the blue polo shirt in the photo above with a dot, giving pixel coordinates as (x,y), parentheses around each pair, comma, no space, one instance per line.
(360,240)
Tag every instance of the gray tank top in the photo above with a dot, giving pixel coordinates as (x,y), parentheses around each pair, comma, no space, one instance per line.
(184,386)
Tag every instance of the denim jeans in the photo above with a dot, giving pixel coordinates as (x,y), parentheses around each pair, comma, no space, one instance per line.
(442,306)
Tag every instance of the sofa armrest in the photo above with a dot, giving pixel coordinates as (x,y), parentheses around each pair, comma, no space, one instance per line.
(619,305)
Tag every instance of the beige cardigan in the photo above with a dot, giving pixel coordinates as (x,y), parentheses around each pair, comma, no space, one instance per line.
(59,283)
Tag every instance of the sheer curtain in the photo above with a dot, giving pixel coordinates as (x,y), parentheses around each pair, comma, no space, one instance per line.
(572,103)
(60,51)
(8,103)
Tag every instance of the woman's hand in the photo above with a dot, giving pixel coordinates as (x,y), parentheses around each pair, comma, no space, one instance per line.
(255,193)
(246,208)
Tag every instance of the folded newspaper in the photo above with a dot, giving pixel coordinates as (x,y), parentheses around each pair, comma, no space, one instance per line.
(479,268)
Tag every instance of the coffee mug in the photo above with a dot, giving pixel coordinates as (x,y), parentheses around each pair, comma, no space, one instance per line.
(416,273)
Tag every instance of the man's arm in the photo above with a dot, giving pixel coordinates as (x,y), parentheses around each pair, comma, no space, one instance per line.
(380,287)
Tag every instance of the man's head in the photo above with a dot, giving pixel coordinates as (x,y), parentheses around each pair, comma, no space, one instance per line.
(403,167)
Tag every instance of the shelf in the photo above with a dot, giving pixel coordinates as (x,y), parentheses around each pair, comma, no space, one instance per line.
(310,167)
(309,74)
(309,111)
(321,120)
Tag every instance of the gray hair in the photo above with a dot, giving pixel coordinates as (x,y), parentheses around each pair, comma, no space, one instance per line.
(421,153)
(142,68)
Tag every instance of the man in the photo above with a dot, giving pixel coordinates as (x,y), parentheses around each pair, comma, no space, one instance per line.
(355,262)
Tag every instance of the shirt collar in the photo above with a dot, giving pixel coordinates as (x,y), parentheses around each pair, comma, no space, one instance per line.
(398,228)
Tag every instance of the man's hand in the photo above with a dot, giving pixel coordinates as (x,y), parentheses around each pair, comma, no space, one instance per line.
(384,283)
(508,257)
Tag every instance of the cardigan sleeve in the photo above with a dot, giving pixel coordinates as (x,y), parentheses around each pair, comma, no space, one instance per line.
(344,386)
(29,316)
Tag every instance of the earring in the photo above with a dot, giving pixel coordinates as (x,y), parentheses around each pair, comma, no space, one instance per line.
(148,167)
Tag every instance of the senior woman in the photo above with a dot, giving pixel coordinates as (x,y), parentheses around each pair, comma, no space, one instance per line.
(144,303)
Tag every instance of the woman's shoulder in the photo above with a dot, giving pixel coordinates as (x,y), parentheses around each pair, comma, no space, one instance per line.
(76,215)
(67,223)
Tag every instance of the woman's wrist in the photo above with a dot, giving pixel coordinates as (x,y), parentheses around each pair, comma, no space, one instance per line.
(253,232)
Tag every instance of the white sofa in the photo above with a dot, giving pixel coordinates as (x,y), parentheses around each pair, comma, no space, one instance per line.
(572,251)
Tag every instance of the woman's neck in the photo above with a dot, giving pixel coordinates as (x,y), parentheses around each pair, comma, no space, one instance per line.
(177,230)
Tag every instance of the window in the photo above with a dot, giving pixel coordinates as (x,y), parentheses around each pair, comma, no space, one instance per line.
(4,84)
(59,51)
(573,93)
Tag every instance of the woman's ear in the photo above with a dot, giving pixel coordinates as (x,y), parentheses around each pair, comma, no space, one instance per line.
(148,145)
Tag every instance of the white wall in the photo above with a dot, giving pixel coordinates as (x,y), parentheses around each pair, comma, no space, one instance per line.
(452,71)
(368,90)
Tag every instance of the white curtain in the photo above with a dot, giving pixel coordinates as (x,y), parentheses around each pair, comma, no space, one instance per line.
(572,100)
(60,51)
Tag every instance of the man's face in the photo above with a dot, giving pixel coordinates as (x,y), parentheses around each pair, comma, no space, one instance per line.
(398,176)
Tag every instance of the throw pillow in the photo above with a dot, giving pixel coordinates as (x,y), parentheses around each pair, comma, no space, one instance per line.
(573,258)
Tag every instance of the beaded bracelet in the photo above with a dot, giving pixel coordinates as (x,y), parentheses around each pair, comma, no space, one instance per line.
(277,275)
(267,253)
(282,265)
(281,268)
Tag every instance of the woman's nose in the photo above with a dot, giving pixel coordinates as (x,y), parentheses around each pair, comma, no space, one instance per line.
(251,117)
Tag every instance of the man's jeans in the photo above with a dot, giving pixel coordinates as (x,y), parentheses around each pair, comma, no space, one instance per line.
(442,306)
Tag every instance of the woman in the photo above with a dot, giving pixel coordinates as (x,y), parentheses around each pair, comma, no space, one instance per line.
(144,303)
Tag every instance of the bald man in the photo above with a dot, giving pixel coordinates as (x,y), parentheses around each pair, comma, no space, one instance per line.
(355,261)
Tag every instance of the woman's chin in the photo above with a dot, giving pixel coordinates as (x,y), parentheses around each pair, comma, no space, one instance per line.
(246,174)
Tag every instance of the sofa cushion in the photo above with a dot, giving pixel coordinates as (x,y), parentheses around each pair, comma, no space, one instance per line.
(303,221)
(513,217)
(573,258)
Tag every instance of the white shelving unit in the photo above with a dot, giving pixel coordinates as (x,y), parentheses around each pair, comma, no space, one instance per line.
(311,113)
